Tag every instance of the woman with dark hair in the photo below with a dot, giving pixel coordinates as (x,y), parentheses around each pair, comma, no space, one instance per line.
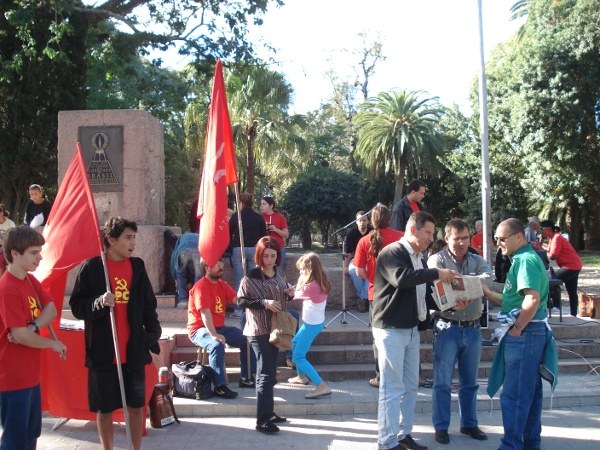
(368,249)
(263,291)
(277,226)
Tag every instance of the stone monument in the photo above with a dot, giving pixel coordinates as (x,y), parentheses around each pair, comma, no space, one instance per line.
(123,152)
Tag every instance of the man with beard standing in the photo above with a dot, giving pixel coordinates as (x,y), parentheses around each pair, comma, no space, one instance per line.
(402,284)
(206,327)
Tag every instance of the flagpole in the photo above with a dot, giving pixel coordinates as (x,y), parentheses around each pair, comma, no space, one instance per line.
(243,252)
(117,356)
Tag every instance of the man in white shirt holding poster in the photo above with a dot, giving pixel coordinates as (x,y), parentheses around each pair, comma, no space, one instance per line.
(457,337)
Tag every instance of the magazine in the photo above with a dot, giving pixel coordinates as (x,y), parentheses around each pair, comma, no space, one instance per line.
(465,287)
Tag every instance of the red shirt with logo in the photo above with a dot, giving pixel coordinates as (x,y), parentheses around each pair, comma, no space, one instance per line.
(208,295)
(120,274)
(19,364)
(279,221)
(364,257)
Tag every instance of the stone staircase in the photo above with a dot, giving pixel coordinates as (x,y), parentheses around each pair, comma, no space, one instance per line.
(344,351)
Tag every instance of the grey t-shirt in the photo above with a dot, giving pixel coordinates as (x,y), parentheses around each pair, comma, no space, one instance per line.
(471,265)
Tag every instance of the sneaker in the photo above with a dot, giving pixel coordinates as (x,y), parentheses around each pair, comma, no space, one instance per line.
(374,382)
(362,304)
(319,392)
(267,428)
(182,305)
(246,383)
(299,379)
(223,391)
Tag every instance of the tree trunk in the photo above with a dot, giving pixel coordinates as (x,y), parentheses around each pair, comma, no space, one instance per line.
(305,235)
(592,224)
(573,221)
(250,167)
(250,133)
(400,174)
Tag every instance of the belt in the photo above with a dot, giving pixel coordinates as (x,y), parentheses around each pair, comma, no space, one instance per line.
(461,323)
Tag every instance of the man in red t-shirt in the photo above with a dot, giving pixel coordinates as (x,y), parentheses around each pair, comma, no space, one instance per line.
(138,330)
(25,307)
(366,255)
(561,251)
(206,327)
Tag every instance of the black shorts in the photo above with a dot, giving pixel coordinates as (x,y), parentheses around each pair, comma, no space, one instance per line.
(104,394)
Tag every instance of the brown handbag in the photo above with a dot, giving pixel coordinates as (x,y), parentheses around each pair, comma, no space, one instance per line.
(283,328)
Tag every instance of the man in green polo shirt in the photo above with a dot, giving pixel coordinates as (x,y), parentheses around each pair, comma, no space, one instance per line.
(524,307)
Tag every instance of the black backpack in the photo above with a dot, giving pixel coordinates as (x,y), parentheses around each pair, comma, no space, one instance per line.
(192,380)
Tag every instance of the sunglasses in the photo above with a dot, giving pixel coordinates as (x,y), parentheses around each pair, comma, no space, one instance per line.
(504,239)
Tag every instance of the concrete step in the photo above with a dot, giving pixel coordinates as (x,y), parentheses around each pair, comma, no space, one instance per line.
(356,397)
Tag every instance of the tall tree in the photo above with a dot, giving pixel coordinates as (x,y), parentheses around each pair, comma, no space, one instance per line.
(43,67)
(397,129)
(263,130)
(551,102)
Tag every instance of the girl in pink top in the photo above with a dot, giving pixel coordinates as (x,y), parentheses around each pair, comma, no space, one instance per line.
(312,287)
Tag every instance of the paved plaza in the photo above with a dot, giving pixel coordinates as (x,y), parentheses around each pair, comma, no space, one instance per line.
(571,420)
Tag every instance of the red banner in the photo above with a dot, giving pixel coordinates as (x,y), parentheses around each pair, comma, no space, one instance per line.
(72,231)
(218,172)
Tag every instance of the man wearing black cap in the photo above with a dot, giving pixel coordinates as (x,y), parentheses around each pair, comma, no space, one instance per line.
(561,251)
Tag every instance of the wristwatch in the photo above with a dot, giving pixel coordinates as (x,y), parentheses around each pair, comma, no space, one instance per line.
(35,325)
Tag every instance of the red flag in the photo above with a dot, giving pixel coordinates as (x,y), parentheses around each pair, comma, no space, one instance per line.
(72,231)
(218,172)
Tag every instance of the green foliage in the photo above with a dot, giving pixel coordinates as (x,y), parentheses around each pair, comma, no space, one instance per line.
(398,129)
(41,61)
(544,96)
(47,47)
(321,196)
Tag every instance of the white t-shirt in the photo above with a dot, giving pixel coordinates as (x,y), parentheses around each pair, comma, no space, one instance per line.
(313,306)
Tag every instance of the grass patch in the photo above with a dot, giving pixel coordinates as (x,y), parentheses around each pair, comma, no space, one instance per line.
(590,258)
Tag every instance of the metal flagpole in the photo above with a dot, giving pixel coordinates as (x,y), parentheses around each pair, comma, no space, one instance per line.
(243,254)
(117,356)
(485,161)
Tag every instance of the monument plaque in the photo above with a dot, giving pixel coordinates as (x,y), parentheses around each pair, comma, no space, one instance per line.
(103,157)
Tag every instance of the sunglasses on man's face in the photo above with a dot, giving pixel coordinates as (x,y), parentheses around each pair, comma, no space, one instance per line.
(504,239)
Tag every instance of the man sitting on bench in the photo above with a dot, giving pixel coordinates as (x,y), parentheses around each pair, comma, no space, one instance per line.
(206,327)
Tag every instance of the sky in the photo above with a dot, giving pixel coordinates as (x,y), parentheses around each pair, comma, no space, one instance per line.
(429,45)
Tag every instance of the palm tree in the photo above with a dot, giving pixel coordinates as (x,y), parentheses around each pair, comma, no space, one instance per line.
(262,127)
(396,129)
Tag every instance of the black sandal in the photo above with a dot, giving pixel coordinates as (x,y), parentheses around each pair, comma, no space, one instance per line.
(268,428)
(276,419)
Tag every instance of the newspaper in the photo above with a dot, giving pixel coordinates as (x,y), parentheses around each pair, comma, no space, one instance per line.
(464,287)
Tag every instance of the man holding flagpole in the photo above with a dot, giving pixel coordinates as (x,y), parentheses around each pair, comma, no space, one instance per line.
(132,298)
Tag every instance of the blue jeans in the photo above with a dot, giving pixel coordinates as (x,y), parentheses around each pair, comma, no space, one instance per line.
(521,398)
(188,271)
(283,259)
(266,376)
(216,357)
(398,358)
(361,287)
(462,344)
(300,345)
(21,418)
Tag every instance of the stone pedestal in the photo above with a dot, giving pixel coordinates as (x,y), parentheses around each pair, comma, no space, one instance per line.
(126,148)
